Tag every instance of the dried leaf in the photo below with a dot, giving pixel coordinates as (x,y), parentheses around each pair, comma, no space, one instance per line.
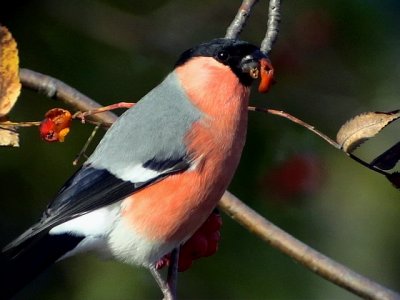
(394,178)
(388,159)
(10,85)
(9,137)
(362,127)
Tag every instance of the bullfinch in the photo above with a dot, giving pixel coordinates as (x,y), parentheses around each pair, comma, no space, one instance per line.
(156,175)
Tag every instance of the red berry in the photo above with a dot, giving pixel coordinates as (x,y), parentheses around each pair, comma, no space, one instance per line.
(197,245)
(56,125)
(184,263)
(213,223)
(212,248)
(212,245)
(215,236)
(204,242)
(301,174)
(47,130)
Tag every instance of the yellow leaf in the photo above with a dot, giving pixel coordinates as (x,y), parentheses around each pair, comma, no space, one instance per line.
(9,137)
(362,127)
(10,85)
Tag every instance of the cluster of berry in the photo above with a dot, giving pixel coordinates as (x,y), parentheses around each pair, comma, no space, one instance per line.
(203,243)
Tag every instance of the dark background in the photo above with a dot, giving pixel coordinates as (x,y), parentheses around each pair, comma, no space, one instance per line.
(333,60)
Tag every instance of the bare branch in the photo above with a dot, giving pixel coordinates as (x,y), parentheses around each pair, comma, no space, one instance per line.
(310,258)
(82,153)
(274,18)
(6,124)
(240,19)
(297,121)
(54,88)
(285,115)
(243,214)
(83,115)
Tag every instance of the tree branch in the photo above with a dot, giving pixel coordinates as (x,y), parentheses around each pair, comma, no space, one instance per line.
(283,114)
(240,19)
(310,258)
(56,89)
(327,139)
(274,18)
(251,220)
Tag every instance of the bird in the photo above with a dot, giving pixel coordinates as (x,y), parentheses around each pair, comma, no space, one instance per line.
(157,173)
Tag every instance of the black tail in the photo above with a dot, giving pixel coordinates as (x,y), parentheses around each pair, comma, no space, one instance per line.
(21,264)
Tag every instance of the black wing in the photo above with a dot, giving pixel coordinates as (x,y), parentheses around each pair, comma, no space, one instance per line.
(87,190)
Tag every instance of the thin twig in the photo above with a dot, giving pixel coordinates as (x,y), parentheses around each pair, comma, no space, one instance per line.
(240,19)
(54,88)
(9,128)
(254,222)
(274,18)
(84,148)
(333,143)
(297,121)
(310,258)
(367,165)
(82,115)
(98,123)
(19,124)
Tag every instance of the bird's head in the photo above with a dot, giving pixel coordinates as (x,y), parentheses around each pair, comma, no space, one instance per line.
(245,60)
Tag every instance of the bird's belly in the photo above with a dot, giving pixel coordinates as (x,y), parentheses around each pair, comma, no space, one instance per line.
(153,226)
(160,217)
(132,247)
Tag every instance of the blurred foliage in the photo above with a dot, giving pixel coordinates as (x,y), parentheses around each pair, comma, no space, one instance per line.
(333,59)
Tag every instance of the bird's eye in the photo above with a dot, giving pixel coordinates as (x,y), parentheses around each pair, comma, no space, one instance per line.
(222,55)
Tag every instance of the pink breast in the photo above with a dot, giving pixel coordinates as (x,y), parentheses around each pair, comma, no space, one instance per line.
(173,208)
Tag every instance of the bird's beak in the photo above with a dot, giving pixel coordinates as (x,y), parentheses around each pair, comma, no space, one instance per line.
(257,65)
